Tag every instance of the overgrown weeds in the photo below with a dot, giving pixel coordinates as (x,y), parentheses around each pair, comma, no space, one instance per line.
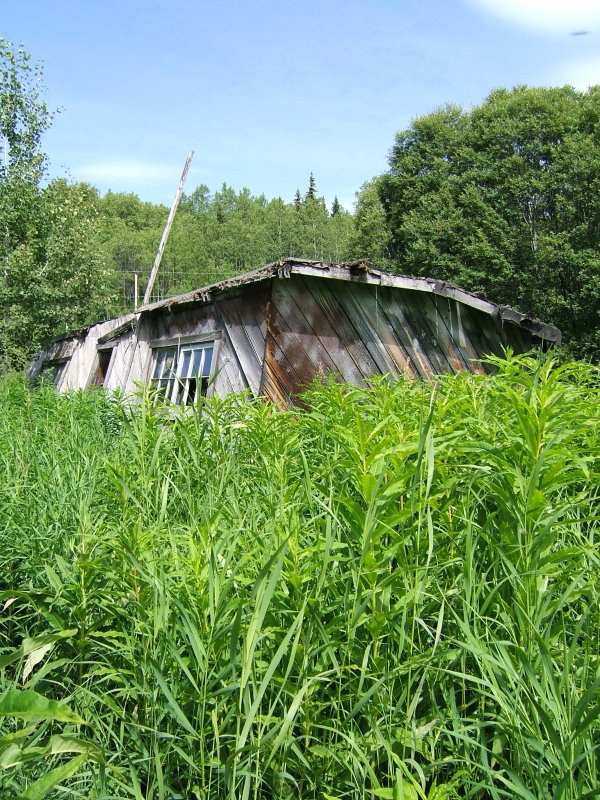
(389,593)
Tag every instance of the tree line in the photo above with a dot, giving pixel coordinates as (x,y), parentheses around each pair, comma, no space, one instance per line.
(502,199)
(216,235)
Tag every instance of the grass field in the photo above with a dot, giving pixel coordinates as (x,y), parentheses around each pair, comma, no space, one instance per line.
(390,592)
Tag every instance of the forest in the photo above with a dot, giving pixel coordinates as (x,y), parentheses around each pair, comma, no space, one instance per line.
(502,199)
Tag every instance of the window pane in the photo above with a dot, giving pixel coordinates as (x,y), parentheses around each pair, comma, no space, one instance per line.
(170,357)
(181,374)
(159,365)
(164,364)
(208,352)
(198,356)
(163,372)
(185,361)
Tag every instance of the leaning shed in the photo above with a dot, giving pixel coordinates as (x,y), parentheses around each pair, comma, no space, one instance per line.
(275,329)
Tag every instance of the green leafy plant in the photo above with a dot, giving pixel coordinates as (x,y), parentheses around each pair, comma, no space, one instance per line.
(389,592)
(29,748)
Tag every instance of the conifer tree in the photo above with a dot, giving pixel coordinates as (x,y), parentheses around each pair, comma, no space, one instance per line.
(311,194)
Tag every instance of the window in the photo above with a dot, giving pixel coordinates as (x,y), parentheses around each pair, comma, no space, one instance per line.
(53,371)
(182,374)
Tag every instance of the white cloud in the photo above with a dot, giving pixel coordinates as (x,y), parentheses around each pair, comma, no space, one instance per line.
(580,74)
(562,16)
(126,170)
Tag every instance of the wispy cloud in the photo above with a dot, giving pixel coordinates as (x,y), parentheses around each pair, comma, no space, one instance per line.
(545,15)
(126,170)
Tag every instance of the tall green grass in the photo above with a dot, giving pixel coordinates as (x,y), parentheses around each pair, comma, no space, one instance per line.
(391,592)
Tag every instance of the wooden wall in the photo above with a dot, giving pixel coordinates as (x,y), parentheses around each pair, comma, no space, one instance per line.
(83,354)
(277,334)
(355,330)
(239,317)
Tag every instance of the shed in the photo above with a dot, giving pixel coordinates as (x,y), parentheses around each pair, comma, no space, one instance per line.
(275,329)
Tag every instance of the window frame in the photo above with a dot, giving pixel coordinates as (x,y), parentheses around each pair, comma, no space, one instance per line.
(98,375)
(177,387)
(54,369)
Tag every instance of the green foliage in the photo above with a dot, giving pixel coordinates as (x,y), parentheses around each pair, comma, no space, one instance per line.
(502,199)
(52,274)
(371,235)
(29,749)
(214,236)
(311,193)
(23,115)
(389,592)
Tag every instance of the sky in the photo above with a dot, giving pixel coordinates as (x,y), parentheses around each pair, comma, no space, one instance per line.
(265,92)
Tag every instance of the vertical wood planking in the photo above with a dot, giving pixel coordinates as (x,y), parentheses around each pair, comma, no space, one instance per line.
(244,320)
(456,317)
(325,295)
(294,301)
(373,306)
(418,308)
(352,300)
(285,370)
(405,330)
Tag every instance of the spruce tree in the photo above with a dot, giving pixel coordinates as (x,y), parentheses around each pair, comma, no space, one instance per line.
(311,194)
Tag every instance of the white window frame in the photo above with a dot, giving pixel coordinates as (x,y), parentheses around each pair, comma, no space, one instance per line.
(184,368)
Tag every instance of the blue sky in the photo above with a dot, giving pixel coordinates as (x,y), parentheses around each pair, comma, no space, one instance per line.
(267,92)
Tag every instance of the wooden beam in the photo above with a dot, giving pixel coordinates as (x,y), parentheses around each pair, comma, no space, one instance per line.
(167,230)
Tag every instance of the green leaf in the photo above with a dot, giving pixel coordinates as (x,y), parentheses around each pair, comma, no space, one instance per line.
(41,787)
(31,646)
(31,706)
(10,755)
(62,743)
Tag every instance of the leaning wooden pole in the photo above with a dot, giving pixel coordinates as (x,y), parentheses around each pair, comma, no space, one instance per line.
(167,230)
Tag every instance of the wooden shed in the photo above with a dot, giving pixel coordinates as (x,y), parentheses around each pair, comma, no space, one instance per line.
(275,329)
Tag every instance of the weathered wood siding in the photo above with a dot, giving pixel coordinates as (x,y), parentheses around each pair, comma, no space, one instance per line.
(244,318)
(125,354)
(83,360)
(355,331)
(240,321)
(280,326)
